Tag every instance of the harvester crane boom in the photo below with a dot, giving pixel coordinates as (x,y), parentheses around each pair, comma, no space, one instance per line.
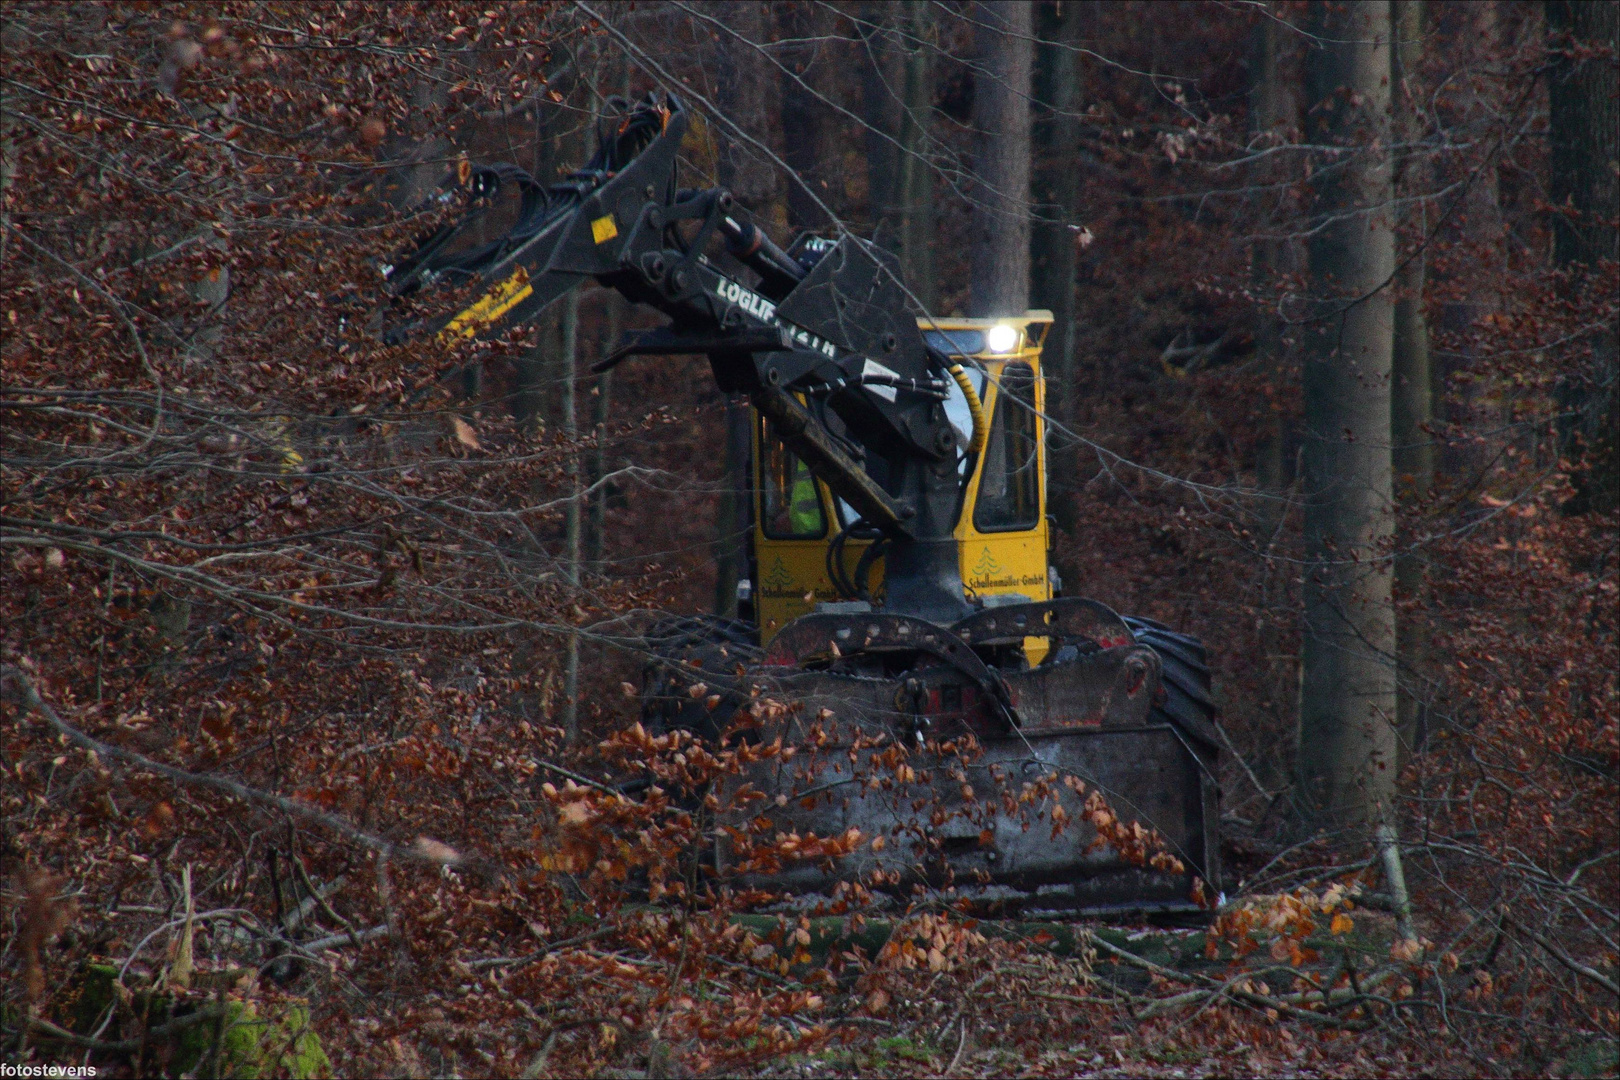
(823,344)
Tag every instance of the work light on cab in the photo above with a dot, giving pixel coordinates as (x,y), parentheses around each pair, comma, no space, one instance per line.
(1002,338)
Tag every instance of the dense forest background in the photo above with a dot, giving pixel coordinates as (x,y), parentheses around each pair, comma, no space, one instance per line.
(316,645)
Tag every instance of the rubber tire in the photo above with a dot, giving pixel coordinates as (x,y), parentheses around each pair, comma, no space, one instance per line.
(1188,701)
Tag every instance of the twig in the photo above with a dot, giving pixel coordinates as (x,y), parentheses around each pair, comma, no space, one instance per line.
(1255,1001)
(125,1045)
(961,1044)
(538,954)
(316,896)
(1164,1005)
(350,937)
(1389,850)
(1564,958)
(1253,779)
(578,779)
(974,989)
(24,690)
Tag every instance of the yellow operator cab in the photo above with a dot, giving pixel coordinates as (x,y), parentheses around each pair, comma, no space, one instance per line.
(1001,531)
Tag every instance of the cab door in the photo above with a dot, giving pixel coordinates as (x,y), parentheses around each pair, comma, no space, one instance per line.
(1002,531)
(792,515)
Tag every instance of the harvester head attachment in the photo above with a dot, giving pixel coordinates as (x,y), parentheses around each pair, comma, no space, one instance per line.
(1066,785)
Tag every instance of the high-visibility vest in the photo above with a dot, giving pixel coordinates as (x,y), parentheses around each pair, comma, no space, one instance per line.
(804,505)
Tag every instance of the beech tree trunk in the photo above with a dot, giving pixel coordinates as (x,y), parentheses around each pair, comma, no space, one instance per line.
(1052,243)
(569,362)
(880,112)
(1052,247)
(743,95)
(1412,402)
(1273,121)
(1274,263)
(803,116)
(601,412)
(1584,100)
(1476,232)
(916,187)
(1347,751)
(1585,116)
(999,278)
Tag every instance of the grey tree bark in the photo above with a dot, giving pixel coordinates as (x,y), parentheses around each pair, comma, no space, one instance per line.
(1347,750)
(880,111)
(1584,100)
(804,127)
(916,182)
(1478,230)
(1052,241)
(602,395)
(1274,264)
(1412,403)
(1273,121)
(999,275)
(743,95)
(601,409)
(569,361)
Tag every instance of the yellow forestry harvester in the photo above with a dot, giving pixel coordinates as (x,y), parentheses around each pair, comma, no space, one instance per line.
(980,729)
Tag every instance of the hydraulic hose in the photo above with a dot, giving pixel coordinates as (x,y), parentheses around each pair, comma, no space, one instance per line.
(981,430)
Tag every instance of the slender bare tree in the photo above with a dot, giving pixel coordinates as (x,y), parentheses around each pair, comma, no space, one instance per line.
(743,97)
(1412,403)
(917,217)
(1052,248)
(999,282)
(1584,101)
(1347,752)
(1273,120)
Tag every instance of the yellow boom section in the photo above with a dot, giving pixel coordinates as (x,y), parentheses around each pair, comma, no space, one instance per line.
(489,307)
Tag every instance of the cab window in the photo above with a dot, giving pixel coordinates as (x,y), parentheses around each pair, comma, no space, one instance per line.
(790,506)
(1010,482)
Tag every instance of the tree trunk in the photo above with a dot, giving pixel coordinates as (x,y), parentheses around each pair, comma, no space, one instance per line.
(1274,264)
(1347,752)
(1585,116)
(1273,121)
(1052,243)
(1584,101)
(731,542)
(602,399)
(803,115)
(601,410)
(999,284)
(1411,405)
(880,112)
(916,189)
(1477,231)
(570,422)
(742,95)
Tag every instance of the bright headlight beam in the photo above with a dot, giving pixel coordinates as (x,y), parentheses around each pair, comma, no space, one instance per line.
(1001,338)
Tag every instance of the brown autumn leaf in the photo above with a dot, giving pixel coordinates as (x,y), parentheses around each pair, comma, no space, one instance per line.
(45,914)
(465,435)
(436,851)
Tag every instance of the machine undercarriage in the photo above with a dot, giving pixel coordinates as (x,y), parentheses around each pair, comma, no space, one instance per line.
(989,801)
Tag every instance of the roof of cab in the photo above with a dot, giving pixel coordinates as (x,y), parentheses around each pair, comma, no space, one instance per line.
(1032,324)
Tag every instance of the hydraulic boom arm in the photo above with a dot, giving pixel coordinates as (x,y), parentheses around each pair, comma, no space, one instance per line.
(823,344)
